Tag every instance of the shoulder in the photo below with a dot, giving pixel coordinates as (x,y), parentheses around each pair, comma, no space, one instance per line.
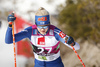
(56,29)
(52,27)
(34,27)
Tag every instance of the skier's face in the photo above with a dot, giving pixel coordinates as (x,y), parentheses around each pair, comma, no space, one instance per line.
(43,28)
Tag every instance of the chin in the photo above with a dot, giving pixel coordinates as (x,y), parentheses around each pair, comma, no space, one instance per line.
(43,33)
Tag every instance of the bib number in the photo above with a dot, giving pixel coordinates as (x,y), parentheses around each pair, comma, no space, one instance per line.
(42,50)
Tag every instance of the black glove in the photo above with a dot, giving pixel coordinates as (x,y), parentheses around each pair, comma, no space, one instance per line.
(11,18)
(70,41)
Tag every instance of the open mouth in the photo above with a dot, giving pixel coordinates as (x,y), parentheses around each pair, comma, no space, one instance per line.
(43,31)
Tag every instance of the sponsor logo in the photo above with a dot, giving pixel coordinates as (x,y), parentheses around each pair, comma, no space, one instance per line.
(62,35)
(42,22)
(41,41)
(42,19)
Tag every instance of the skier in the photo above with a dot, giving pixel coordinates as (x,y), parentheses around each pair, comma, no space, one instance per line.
(45,39)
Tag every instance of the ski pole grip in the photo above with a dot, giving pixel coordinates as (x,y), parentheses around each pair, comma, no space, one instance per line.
(12,13)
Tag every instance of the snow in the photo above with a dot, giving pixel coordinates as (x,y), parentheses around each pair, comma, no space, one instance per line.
(35,4)
(21,7)
(6,51)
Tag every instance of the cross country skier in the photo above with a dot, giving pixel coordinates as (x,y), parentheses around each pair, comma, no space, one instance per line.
(45,39)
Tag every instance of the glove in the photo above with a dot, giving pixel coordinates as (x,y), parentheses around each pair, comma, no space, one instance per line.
(70,41)
(11,18)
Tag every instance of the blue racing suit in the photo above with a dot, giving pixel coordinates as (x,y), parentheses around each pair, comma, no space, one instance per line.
(46,48)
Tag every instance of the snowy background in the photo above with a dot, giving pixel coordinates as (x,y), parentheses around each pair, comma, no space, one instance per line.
(6,51)
(25,9)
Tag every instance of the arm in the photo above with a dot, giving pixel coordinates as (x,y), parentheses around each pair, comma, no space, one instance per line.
(65,39)
(19,36)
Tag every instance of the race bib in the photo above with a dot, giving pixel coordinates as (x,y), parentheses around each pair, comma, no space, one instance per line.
(46,51)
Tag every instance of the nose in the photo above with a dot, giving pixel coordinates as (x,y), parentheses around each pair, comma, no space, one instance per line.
(42,29)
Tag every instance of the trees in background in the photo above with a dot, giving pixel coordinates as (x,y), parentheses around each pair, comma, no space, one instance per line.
(81,19)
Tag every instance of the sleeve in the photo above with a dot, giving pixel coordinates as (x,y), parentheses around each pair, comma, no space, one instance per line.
(26,33)
(60,36)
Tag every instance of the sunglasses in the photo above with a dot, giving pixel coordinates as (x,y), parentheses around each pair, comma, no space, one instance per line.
(44,27)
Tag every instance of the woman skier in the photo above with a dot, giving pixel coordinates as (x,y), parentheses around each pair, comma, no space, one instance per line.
(45,39)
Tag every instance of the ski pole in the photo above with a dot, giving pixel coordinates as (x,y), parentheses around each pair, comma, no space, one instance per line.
(14,43)
(78,56)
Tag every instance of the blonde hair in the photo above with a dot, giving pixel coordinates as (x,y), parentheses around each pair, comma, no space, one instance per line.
(41,12)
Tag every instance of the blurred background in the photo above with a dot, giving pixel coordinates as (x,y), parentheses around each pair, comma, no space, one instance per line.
(77,18)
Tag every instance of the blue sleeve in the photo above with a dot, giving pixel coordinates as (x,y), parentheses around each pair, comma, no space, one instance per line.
(26,33)
(59,35)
